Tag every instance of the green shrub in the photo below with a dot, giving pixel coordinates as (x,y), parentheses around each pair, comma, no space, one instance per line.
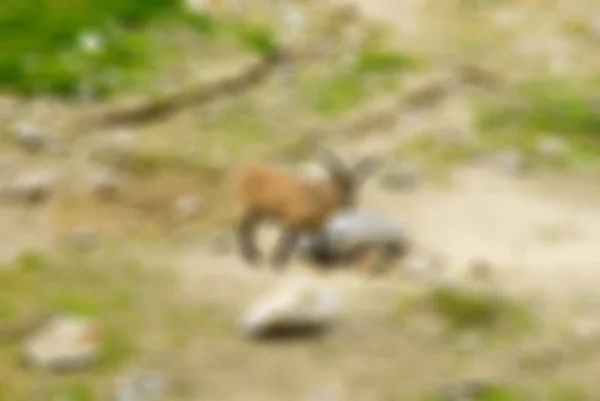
(464,308)
(373,71)
(544,106)
(44,46)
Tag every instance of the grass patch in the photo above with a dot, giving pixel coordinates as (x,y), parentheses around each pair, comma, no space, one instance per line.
(565,392)
(463,308)
(73,392)
(435,157)
(99,48)
(566,109)
(122,295)
(63,48)
(332,92)
(258,39)
(492,392)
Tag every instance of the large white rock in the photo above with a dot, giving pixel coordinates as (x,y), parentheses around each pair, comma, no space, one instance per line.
(33,186)
(63,343)
(300,306)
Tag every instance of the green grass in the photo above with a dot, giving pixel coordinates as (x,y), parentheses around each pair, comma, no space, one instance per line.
(465,309)
(435,157)
(334,91)
(44,47)
(106,285)
(546,106)
(489,393)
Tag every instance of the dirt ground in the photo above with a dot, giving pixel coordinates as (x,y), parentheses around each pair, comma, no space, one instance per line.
(538,233)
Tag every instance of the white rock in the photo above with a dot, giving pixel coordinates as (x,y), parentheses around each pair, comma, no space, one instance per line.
(148,386)
(298,307)
(91,42)
(552,146)
(30,137)
(512,161)
(63,343)
(32,186)
(84,238)
(187,206)
(221,243)
(195,5)
(423,264)
(105,183)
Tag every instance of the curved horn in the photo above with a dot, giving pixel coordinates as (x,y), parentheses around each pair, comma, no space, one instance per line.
(331,160)
(366,166)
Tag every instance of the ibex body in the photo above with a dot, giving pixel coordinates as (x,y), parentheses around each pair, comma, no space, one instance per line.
(298,204)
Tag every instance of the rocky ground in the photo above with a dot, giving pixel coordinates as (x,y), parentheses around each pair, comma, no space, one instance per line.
(89,221)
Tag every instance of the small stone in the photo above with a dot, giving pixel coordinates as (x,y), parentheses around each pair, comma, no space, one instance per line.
(186,207)
(91,42)
(148,386)
(402,177)
(195,5)
(552,147)
(588,330)
(512,161)
(299,307)
(85,238)
(221,244)
(122,142)
(422,265)
(544,354)
(32,187)
(469,342)
(466,390)
(65,343)
(30,137)
(480,270)
(105,183)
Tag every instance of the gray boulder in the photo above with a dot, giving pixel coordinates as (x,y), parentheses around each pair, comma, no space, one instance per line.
(350,234)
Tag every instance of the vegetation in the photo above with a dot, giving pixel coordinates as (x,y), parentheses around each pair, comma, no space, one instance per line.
(374,70)
(96,285)
(97,48)
(542,107)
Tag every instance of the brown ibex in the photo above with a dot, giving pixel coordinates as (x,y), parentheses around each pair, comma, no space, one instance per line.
(298,204)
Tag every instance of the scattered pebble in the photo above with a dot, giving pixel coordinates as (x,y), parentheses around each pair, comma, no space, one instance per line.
(543,354)
(221,243)
(195,5)
(588,329)
(149,386)
(91,42)
(402,177)
(299,307)
(422,265)
(30,138)
(64,343)
(31,187)
(466,390)
(85,238)
(469,342)
(512,161)
(105,183)
(480,270)
(187,206)
(552,147)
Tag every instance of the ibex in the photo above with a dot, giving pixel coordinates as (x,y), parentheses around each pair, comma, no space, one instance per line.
(298,204)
